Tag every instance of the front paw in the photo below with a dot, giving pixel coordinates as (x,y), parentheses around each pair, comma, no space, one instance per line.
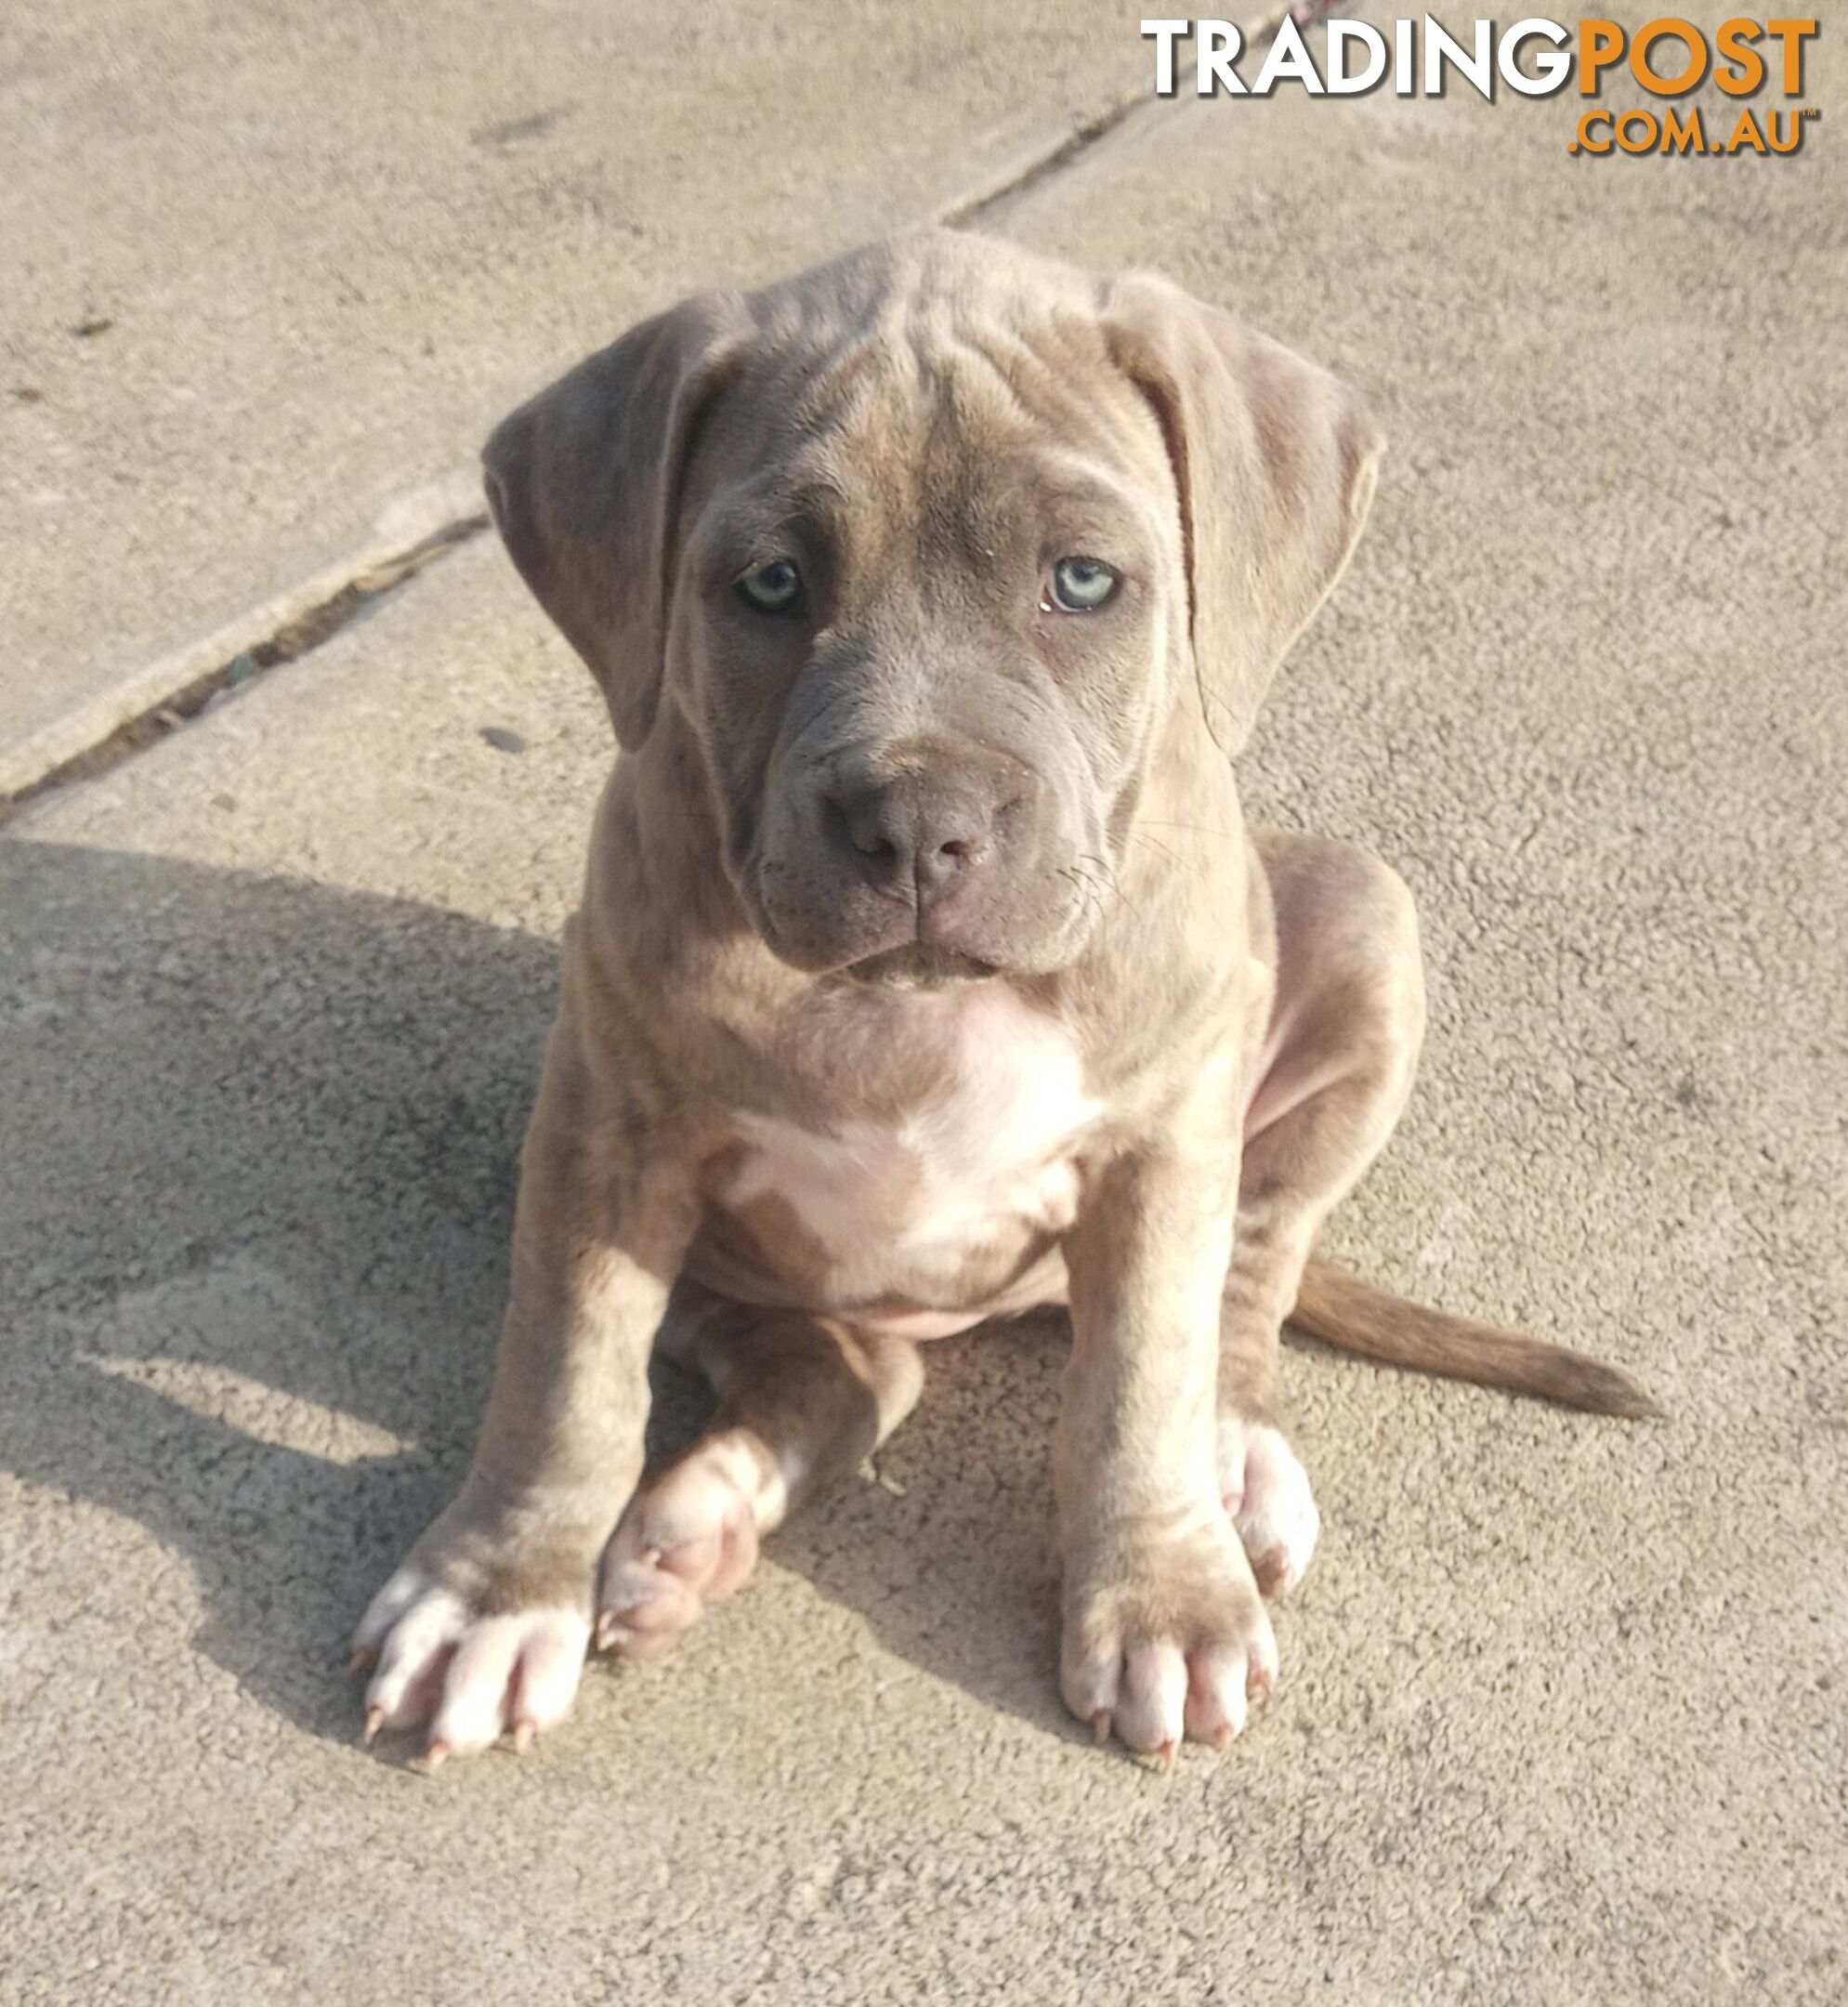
(478,1637)
(1165,1634)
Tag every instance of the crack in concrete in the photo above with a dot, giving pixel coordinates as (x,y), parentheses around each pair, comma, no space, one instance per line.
(1092,131)
(1080,141)
(299,636)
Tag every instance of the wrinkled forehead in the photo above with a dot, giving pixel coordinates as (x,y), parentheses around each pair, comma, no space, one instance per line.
(954,423)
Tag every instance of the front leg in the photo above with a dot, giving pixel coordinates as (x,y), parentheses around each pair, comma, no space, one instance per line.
(1164,1632)
(484,1626)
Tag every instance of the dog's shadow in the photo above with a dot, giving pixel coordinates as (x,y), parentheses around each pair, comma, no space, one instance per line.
(261,1154)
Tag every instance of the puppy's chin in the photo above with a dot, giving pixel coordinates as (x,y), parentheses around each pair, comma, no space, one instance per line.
(918,966)
(872,943)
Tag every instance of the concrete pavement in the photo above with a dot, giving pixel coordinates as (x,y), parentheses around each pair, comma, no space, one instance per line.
(1561,1711)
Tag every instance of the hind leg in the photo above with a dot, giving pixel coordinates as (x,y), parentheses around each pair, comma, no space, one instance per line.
(802,1400)
(1326,1090)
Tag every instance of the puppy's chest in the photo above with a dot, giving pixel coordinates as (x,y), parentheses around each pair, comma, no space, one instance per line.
(976,1162)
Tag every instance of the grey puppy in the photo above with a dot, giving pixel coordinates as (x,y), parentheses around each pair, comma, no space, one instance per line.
(928,971)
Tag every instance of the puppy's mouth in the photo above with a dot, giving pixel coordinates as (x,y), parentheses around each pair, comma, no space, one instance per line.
(918,966)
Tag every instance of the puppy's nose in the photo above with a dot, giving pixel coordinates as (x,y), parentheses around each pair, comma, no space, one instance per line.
(915,832)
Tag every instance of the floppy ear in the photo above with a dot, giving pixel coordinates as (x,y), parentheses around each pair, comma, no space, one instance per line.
(585,482)
(1275,460)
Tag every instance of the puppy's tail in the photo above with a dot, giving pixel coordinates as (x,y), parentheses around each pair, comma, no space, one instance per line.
(1342,1310)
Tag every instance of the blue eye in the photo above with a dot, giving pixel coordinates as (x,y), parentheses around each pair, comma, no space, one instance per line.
(773,589)
(1081,584)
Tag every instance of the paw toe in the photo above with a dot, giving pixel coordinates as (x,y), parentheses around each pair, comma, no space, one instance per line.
(417,1639)
(1216,1705)
(1275,1511)
(1151,1699)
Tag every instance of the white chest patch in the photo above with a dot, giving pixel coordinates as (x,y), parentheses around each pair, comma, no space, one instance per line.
(899,1206)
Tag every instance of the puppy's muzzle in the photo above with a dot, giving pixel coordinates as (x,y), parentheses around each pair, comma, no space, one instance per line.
(959,851)
(919,838)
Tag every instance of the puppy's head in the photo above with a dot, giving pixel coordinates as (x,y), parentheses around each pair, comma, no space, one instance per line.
(928,548)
